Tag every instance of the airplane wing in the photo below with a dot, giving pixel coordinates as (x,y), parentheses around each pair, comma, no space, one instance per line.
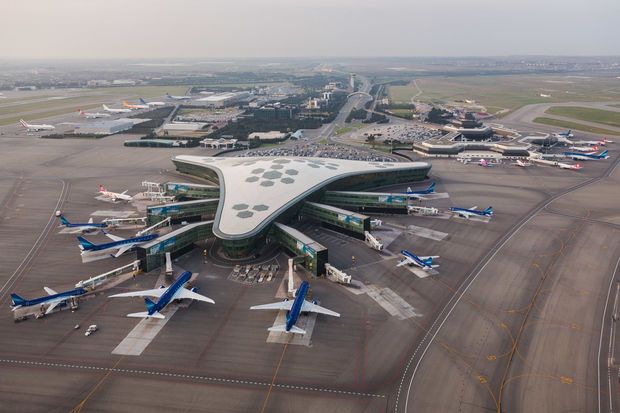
(473,208)
(52,306)
(185,293)
(49,291)
(122,250)
(309,307)
(405,261)
(156,292)
(429,256)
(114,237)
(282,305)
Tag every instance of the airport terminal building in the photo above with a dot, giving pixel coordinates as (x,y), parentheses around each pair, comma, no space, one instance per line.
(255,193)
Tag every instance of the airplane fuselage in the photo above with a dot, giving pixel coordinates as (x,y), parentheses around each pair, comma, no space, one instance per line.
(116,244)
(416,260)
(54,297)
(295,311)
(170,293)
(465,211)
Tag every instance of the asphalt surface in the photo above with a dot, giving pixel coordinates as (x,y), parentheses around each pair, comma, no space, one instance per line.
(540,283)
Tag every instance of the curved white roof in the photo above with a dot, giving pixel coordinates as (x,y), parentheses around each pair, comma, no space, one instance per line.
(254,191)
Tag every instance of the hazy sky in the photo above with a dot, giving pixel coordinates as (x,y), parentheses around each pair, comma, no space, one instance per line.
(268,28)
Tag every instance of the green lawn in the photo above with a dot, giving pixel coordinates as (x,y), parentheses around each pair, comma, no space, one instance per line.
(606,117)
(86,99)
(576,126)
(508,91)
(343,130)
(402,113)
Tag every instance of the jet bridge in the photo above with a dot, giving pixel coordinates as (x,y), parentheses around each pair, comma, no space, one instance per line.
(341,220)
(153,254)
(182,211)
(300,244)
(368,201)
(191,191)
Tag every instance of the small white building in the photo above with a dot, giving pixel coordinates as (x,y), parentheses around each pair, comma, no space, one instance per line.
(267,136)
(220,143)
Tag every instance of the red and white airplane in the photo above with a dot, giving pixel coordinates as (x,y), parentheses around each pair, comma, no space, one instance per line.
(93,115)
(586,149)
(486,164)
(574,167)
(522,164)
(114,196)
(35,128)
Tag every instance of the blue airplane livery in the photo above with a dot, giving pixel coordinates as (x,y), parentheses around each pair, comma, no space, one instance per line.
(469,212)
(176,291)
(120,244)
(420,194)
(294,309)
(587,156)
(86,227)
(426,263)
(52,299)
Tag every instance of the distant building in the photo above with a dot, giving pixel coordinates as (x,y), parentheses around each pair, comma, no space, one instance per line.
(220,100)
(271,136)
(273,112)
(352,81)
(98,83)
(220,143)
(124,82)
(327,95)
(183,126)
(105,127)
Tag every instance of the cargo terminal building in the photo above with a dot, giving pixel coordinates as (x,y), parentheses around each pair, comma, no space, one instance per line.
(256,193)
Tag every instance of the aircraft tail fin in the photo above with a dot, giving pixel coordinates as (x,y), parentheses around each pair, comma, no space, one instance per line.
(150,305)
(64,220)
(489,211)
(23,122)
(105,107)
(605,152)
(84,243)
(17,300)
(282,329)
(142,101)
(428,262)
(101,188)
(431,188)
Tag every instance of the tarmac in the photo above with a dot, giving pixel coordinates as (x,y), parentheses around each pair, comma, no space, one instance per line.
(403,343)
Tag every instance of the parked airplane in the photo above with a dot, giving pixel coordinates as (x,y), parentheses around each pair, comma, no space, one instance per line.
(567,134)
(420,194)
(469,212)
(602,142)
(587,149)
(131,106)
(111,110)
(81,228)
(178,97)
(121,245)
(486,164)
(294,309)
(36,128)
(52,299)
(522,164)
(426,263)
(93,115)
(142,101)
(587,156)
(574,167)
(176,291)
(114,195)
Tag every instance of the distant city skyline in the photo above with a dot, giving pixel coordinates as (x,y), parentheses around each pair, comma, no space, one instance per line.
(143,29)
